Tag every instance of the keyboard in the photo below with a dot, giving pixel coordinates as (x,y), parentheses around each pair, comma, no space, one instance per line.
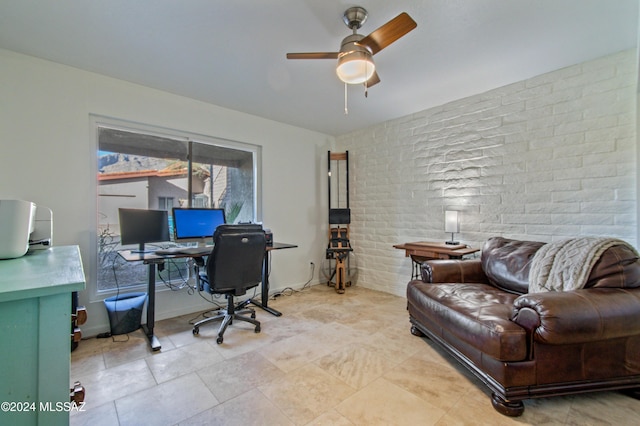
(168,251)
(195,250)
(191,251)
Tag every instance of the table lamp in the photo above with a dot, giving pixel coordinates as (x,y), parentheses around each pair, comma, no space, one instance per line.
(451,224)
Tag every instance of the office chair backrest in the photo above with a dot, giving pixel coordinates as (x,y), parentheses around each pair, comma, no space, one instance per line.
(236,261)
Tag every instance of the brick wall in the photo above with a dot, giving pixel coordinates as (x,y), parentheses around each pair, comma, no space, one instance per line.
(542,159)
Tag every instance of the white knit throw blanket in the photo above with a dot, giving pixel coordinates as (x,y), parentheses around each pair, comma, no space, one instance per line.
(565,265)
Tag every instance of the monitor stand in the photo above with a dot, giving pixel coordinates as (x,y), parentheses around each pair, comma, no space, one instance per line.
(140,250)
(202,243)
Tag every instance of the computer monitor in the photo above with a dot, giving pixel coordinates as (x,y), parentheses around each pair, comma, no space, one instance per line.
(140,226)
(196,224)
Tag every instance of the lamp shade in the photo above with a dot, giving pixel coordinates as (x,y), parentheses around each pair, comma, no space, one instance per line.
(355,67)
(451,221)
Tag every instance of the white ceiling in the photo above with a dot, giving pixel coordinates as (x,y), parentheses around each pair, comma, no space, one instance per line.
(232,52)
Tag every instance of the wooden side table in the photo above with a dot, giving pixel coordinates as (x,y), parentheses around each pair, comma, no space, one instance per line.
(426,250)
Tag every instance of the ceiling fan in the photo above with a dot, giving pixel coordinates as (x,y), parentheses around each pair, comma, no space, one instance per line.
(355,58)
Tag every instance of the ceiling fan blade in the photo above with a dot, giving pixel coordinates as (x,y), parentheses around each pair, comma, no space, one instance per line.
(373,80)
(388,33)
(313,55)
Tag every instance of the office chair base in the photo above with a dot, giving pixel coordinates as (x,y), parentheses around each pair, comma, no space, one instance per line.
(227,319)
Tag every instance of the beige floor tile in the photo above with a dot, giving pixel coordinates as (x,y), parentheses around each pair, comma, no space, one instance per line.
(166,404)
(383,403)
(289,325)
(306,393)
(545,411)
(430,351)
(124,348)
(326,314)
(438,384)
(355,365)
(393,344)
(469,410)
(116,382)
(103,415)
(330,418)
(238,339)
(248,409)
(297,351)
(171,364)
(238,375)
(87,358)
(330,359)
(181,338)
(604,408)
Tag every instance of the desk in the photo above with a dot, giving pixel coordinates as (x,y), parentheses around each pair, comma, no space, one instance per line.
(427,250)
(152,260)
(264,296)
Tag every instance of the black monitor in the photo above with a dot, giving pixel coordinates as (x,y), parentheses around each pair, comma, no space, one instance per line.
(196,224)
(140,226)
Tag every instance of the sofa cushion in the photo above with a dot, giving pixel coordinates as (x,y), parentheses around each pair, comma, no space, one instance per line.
(618,267)
(507,262)
(478,314)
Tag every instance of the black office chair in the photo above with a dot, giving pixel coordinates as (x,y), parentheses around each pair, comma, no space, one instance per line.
(234,266)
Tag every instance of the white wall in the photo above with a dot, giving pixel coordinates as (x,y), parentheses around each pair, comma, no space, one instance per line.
(542,159)
(49,154)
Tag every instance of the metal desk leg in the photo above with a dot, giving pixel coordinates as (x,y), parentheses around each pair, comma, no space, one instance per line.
(151,309)
(265,289)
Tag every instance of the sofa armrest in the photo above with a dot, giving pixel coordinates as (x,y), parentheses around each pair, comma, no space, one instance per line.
(453,271)
(579,316)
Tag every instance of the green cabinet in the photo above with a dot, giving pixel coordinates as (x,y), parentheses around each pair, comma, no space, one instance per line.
(35,323)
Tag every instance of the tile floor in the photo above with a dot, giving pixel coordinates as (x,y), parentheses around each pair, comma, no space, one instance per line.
(329,360)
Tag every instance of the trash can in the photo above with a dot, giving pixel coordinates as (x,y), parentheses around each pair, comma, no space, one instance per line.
(125,312)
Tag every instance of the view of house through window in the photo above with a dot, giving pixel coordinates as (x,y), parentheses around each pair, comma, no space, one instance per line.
(152,171)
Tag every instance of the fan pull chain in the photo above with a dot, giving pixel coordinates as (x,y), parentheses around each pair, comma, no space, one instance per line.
(346,109)
(366,91)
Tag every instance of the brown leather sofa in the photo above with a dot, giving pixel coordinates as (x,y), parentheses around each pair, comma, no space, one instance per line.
(533,345)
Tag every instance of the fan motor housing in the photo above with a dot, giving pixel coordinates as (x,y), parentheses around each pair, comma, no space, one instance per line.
(355,17)
(350,44)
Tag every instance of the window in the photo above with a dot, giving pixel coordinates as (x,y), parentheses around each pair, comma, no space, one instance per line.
(165,203)
(155,169)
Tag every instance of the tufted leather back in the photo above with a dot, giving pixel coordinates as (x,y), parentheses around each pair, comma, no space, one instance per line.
(507,264)
(618,267)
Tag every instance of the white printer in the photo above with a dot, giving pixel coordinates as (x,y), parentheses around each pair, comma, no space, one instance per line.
(23,227)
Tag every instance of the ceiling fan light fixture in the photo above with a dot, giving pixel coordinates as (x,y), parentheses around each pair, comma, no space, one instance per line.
(355,67)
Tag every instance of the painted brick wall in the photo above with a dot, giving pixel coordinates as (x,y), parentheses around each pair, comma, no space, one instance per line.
(542,159)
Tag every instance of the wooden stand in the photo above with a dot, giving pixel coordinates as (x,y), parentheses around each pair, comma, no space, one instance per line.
(338,250)
(339,220)
(427,250)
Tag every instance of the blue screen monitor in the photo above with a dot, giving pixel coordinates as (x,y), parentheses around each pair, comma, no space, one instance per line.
(196,224)
(140,226)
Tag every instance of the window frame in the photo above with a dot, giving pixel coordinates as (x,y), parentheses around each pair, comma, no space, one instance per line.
(97,122)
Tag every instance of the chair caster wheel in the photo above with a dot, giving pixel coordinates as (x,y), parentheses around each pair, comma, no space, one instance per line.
(257,330)
(219,340)
(195,331)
